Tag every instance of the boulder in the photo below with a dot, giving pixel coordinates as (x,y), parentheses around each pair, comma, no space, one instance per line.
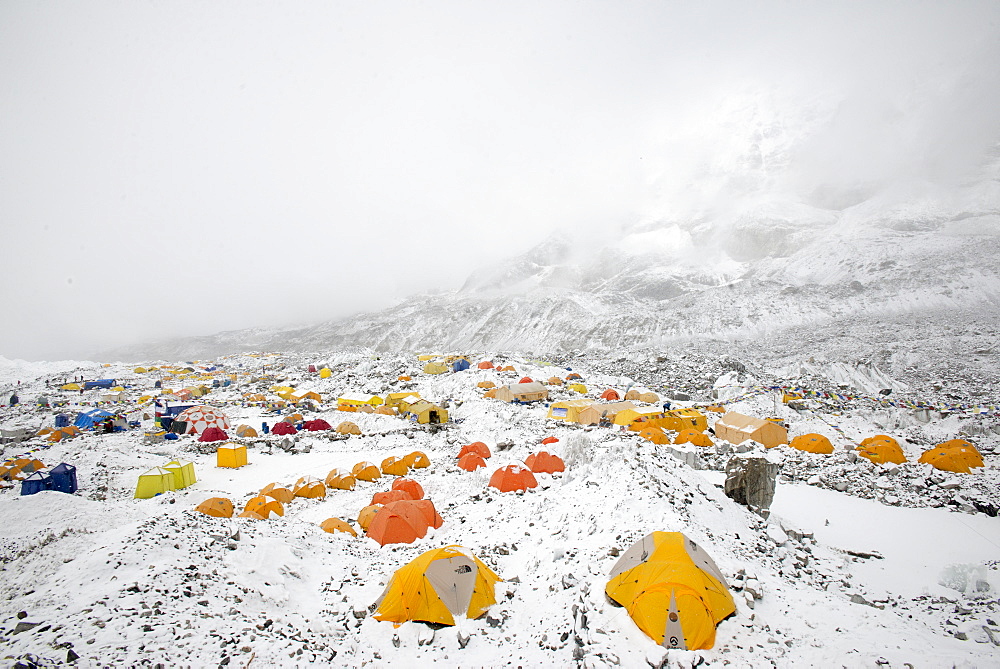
(751,481)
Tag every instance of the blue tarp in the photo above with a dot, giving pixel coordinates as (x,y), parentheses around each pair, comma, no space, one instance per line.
(460,365)
(62,420)
(100,383)
(85,420)
(64,478)
(37,482)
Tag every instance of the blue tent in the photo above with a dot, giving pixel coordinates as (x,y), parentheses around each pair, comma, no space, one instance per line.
(85,420)
(100,383)
(37,482)
(64,478)
(460,365)
(62,420)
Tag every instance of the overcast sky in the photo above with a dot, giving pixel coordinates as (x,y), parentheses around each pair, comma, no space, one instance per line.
(188,167)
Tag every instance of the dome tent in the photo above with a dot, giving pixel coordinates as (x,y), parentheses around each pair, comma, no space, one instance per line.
(199,418)
(672,589)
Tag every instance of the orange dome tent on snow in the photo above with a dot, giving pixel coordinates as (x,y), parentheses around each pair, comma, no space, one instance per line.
(417,460)
(610,395)
(513,477)
(220,507)
(812,443)
(278,492)
(544,462)
(477,447)
(388,496)
(409,485)
(957,456)
(880,449)
(694,437)
(485,364)
(526,379)
(403,522)
(394,466)
(347,427)
(367,515)
(332,525)
(655,435)
(549,440)
(471,462)
(310,488)
(366,471)
(486,384)
(338,479)
(264,507)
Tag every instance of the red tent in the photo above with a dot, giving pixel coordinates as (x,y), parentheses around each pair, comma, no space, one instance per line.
(316,425)
(527,379)
(544,462)
(477,447)
(513,477)
(281,427)
(549,440)
(213,434)
(610,395)
(470,462)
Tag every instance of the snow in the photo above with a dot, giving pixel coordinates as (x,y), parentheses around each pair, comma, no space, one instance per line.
(128,582)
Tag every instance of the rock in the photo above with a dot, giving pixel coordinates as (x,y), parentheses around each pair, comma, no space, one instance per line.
(463,639)
(24,626)
(656,657)
(841,486)
(750,481)
(21,615)
(71,656)
(568,581)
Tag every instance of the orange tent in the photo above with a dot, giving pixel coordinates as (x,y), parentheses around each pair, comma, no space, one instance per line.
(366,471)
(403,378)
(544,462)
(367,514)
(332,525)
(610,395)
(394,466)
(485,364)
(252,515)
(716,408)
(513,477)
(403,522)
(310,488)
(471,462)
(812,443)
(220,507)
(409,485)
(549,440)
(278,492)
(477,447)
(526,379)
(691,436)
(417,460)
(263,506)
(554,381)
(389,496)
(655,435)
(572,376)
(956,455)
(486,384)
(385,410)
(881,448)
(491,393)
(338,479)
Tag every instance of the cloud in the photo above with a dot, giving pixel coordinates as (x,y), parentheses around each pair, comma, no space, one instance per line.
(184,168)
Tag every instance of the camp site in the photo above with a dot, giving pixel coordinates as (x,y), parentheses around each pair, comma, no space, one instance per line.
(288,509)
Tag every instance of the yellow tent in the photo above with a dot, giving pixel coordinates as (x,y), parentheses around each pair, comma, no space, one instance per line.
(220,507)
(157,480)
(654,434)
(577,387)
(416,460)
(672,589)
(325,373)
(568,410)
(332,525)
(693,437)
(347,427)
(881,448)
(437,586)
(435,368)
(394,466)
(71,386)
(230,455)
(812,443)
(366,471)
(682,419)
(140,370)
(183,473)
(957,456)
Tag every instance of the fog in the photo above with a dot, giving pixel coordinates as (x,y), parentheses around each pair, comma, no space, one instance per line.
(182,168)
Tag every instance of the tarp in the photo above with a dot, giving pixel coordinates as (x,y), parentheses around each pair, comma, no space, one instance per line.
(99,383)
(85,420)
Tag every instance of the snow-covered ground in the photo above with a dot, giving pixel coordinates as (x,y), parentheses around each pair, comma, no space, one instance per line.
(845,578)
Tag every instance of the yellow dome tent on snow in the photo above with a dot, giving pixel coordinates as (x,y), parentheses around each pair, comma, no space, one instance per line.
(812,443)
(437,586)
(672,590)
